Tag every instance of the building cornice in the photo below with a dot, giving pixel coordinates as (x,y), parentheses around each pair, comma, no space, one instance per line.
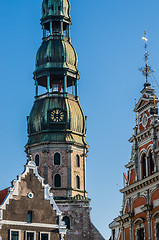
(141,184)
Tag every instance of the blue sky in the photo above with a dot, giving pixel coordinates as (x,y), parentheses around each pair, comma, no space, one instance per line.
(107,37)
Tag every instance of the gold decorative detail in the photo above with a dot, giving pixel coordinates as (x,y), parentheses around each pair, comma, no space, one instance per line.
(57,115)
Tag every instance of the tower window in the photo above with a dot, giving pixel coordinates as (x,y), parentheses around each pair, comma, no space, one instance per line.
(29,218)
(143,165)
(67,221)
(151,163)
(140,234)
(77,161)
(57,159)
(37,160)
(78,182)
(57,181)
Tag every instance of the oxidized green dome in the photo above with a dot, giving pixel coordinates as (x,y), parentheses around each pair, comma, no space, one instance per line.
(56,8)
(56,54)
(73,130)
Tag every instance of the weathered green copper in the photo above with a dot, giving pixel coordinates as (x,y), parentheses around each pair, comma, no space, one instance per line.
(57,73)
(72,132)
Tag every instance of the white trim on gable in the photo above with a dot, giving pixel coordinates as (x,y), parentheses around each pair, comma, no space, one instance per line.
(13,191)
(40,225)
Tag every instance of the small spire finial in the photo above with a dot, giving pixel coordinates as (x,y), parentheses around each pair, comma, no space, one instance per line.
(147,70)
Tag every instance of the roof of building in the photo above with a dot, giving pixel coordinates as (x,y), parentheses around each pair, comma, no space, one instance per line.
(3,194)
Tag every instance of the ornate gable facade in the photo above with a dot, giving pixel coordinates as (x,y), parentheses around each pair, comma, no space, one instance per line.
(139,217)
(28,210)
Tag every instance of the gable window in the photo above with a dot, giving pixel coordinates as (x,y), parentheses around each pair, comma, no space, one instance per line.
(143,165)
(29,218)
(157,231)
(57,159)
(77,161)
(78,182)
(30,235)
(14,235)
(67,221)
(140,234)
(151,163)
(44,236)
(57,181)
(37,160)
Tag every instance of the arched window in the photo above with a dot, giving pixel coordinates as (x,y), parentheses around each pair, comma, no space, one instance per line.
(57,181)
(37,160)
(140,234)
(157,231)
(78,182)
(151,163)
(143,165)
(77,161)
(67,221)
(57,159)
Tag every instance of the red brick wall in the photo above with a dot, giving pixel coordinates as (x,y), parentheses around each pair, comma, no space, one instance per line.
(133,176)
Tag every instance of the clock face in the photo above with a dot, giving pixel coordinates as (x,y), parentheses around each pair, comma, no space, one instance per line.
(57,115)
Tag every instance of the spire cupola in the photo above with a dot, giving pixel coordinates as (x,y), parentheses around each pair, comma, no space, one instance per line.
(56,60)
(56,18)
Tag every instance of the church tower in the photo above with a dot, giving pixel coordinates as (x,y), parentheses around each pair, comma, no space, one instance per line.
(57,124)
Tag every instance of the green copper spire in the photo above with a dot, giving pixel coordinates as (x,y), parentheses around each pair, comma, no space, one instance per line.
(56,8)
(56,59)
(56,81)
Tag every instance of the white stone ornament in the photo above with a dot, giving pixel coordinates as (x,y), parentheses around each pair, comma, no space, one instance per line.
(145,120)
(30,195)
